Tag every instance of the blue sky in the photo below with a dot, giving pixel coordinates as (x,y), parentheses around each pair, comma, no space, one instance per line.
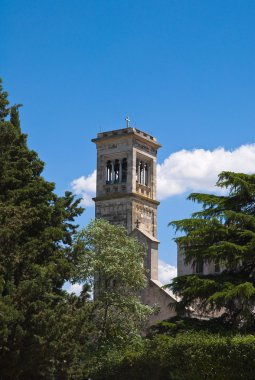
(183,71)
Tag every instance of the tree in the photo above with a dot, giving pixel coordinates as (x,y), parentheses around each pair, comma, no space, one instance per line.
(111,262)
(223,232)
(44,332)
(36,234)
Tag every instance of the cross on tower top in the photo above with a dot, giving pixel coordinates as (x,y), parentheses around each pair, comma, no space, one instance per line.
(127,121)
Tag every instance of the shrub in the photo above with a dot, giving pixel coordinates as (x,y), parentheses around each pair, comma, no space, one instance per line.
(192,356)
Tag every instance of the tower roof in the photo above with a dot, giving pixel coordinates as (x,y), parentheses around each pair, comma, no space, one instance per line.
(130,131)
(145,233)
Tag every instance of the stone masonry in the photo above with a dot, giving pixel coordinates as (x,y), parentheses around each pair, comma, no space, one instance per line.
(126,195)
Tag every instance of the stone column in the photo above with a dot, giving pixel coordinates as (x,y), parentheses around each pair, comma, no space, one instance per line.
(112,176)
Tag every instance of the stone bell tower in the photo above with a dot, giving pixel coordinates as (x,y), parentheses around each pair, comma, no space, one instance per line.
(126,195)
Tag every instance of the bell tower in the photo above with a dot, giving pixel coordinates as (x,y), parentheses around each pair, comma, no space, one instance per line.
(126,195)
(126,185)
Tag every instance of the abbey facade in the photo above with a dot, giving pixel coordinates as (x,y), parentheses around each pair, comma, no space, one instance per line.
(126,195)
(195,268)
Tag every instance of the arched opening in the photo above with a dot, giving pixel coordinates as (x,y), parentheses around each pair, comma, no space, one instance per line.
(124,170)
(116,171)
(146,177)
(142,172)
(109,172)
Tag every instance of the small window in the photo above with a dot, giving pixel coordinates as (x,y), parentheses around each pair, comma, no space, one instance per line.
(199,267)
(216,266)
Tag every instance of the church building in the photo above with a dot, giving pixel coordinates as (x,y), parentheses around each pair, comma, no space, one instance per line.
(126,195)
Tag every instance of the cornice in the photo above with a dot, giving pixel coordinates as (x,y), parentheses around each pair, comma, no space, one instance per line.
(125,195)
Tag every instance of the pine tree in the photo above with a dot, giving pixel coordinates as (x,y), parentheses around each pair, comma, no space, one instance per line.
(36,233)
(223,233)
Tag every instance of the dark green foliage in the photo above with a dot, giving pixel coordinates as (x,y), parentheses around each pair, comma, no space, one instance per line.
(223,233)
(14,116)
(4,110)
(192,356)
(177,325)
(44,332)
(36,230)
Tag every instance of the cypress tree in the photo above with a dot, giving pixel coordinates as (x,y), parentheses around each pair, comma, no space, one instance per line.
(36,233)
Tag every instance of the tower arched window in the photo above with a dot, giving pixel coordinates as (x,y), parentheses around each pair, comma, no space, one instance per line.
(142,176)
(116,171)
(142,172)
(124,170)
(146,177)
(138,162)
(109,172)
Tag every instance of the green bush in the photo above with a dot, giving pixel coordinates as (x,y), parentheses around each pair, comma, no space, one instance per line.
(190,356)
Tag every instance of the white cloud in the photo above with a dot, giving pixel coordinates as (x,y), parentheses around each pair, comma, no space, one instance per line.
(86,188)
(166,272)
(185,170)
(73,288)
(197,170)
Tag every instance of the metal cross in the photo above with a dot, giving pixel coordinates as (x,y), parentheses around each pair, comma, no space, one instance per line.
(137,222)
(127,121)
